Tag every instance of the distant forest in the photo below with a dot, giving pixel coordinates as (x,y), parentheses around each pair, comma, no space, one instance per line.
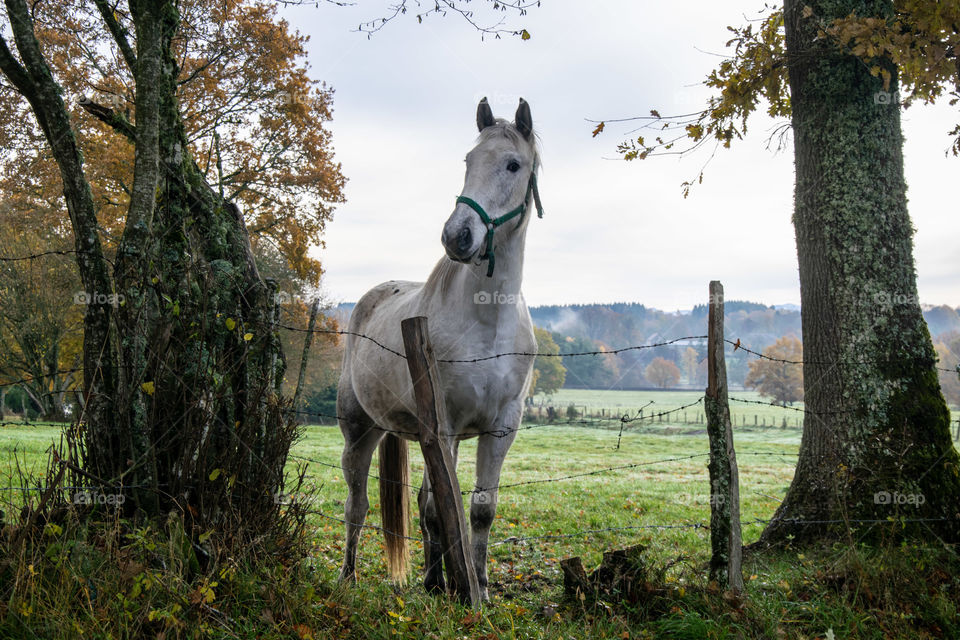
(591,327)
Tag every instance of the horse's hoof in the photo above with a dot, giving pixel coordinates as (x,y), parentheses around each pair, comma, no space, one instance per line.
(435,586)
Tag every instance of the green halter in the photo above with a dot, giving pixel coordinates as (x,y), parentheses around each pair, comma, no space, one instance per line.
(493,223)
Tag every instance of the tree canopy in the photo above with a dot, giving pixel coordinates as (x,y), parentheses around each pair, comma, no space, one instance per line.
(779,376)
(921,38)
(549,373)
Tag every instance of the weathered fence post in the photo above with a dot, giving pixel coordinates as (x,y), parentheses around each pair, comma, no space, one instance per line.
(434,443)
(307,341)
(725,535)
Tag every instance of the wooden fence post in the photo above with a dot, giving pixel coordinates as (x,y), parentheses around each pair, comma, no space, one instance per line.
(725,535)
(434,443)
(307,341)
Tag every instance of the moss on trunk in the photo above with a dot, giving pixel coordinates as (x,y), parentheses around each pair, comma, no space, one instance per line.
(876,442)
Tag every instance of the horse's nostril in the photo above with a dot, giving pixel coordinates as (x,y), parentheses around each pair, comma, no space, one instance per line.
(464,239)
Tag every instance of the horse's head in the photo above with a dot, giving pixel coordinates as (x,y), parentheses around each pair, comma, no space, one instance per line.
(497,188)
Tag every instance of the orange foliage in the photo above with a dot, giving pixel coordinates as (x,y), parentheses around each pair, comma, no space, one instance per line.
(255,122)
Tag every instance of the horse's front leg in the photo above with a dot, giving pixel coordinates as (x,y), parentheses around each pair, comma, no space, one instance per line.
(491,450)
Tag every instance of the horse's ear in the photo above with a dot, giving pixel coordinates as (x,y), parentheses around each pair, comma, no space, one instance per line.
(484,115)
(523,120)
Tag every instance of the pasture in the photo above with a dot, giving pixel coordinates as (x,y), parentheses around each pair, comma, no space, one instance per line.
(652,490)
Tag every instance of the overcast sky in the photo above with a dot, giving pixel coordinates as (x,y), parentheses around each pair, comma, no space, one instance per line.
(404,118)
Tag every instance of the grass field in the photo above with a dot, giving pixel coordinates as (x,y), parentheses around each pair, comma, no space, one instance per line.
(658,497)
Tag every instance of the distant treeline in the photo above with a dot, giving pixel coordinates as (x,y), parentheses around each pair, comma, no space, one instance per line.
(589,327)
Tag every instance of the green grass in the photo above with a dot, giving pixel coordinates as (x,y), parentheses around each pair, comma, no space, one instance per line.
(850,590)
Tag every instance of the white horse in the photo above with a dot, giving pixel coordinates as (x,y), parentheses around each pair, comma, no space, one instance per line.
(474,311)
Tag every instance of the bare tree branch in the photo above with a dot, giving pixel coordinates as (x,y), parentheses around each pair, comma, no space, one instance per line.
(118,32)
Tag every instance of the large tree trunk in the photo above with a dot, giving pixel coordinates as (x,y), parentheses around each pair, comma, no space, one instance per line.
(182,375)
(876,441)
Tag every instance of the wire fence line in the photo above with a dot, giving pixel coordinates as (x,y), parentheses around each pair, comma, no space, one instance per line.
(333,465)
(737,345)
(64,252)
(600,352)
(763,356)
(658,526)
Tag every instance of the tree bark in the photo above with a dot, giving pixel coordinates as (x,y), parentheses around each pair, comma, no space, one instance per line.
(35,82)
(876,440)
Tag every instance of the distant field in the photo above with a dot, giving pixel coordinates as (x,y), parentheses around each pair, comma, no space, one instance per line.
(655,402)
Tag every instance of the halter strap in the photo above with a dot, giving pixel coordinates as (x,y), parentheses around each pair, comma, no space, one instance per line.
(493,223)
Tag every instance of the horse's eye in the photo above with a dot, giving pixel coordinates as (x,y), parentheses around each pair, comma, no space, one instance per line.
(513,166)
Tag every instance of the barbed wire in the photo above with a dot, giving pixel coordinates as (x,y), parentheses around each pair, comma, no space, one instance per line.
(344,332)
(600,352)
(802,410)
(46,375)
(91,488)
(739,346)
(34,256)
(660,526)
(31,423)
(501,487)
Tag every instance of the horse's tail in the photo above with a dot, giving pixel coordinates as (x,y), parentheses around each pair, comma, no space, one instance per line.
(395,504)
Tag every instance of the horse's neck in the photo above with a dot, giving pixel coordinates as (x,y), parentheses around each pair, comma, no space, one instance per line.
(485,307)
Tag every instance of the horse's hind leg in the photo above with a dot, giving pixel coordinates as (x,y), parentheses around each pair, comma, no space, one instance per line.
(432,548)
(430,529)
(361,437)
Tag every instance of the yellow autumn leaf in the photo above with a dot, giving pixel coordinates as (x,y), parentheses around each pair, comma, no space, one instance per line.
(524,35)
(148,388)
(231,323)
(214,474)
(248,336)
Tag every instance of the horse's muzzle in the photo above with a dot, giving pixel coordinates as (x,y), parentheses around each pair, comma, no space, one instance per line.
(461,246)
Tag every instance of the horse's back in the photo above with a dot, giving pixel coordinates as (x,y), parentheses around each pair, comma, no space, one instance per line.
(371,373)
(373,299)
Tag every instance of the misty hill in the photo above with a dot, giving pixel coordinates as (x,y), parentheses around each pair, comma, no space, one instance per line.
(612,326)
